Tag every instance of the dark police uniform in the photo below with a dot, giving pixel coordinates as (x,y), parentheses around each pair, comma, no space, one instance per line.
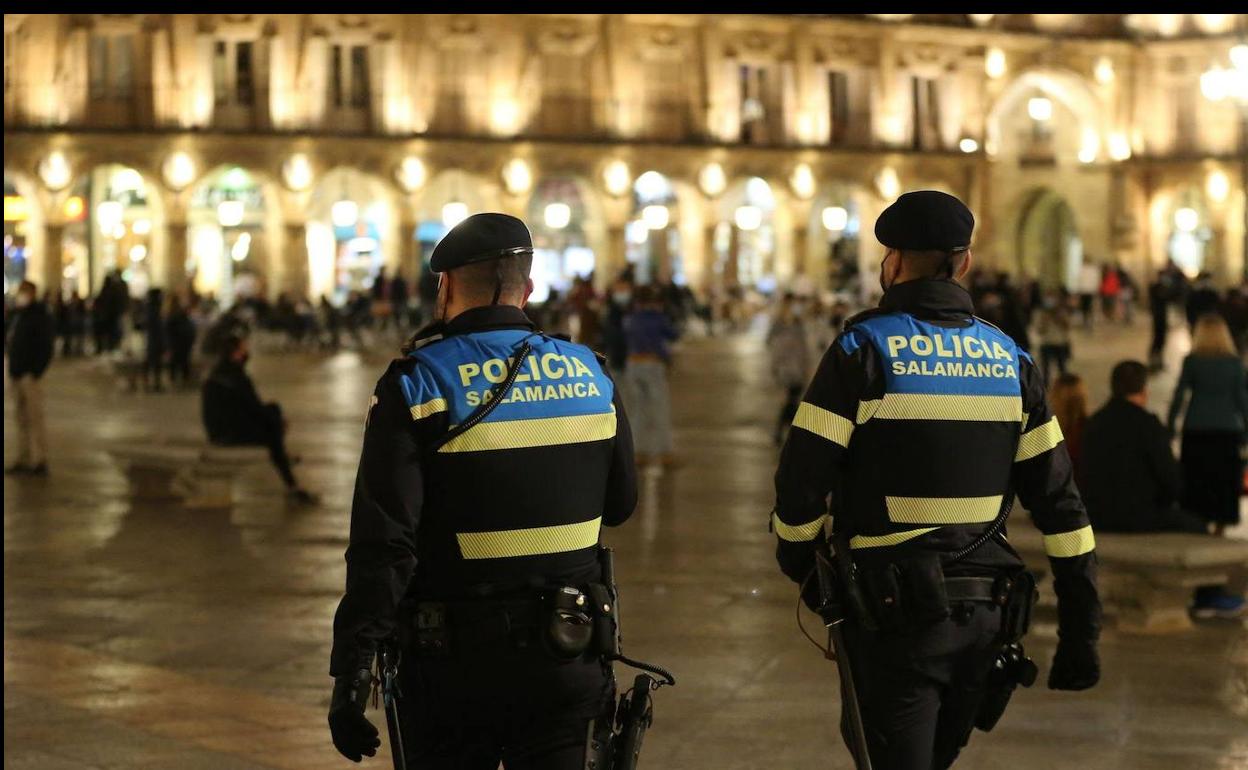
(921,422)
(456,548)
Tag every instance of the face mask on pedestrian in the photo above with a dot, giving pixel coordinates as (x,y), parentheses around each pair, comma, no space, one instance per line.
(622,297)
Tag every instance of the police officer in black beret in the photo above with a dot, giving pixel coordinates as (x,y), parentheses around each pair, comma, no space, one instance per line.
(920,426)
(493,454)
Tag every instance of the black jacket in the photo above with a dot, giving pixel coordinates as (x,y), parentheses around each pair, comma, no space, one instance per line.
(32,338)
(1130,476)
(512,504)
(232,410)
(920,423)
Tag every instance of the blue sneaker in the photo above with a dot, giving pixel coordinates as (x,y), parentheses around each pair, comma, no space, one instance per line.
(1224,606)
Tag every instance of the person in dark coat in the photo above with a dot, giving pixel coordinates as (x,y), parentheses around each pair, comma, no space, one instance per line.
(32,338)
(234,415)
(1131,481)
(1202,299)
(157,342)
(180,331)
(1158,309)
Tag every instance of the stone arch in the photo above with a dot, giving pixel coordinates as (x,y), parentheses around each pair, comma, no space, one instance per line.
(835,254)
(1047,241)
(346,257)
(590,213)
(145,225)
(1059,84)
(743,256)
(260,196)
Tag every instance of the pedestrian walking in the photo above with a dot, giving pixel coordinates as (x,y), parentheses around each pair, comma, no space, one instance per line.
(32,339)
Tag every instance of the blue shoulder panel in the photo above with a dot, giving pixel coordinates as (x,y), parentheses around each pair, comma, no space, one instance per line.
(558,378)
(922,357)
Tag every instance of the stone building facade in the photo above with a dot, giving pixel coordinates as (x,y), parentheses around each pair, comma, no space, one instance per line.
(306,151)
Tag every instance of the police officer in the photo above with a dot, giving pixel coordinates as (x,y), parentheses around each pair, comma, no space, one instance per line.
(460,546)
(920,425)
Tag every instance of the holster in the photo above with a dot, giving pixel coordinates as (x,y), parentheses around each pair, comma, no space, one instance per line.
(1016,595)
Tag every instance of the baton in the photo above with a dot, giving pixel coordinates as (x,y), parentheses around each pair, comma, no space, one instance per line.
(831,611)
(390,697)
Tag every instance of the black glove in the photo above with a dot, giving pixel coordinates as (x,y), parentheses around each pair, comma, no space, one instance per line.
(1076,666)
(354,736)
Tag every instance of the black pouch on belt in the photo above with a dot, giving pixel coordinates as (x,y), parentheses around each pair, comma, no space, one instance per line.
(606,628)
(569,628)
(924,581)
(882,586)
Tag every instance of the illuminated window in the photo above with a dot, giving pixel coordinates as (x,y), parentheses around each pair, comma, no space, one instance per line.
(111,67)
(348,77)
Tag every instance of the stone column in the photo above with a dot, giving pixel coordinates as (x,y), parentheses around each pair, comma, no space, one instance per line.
(295,259)
(176,254)
(53,244)
(616,258)
(409,253)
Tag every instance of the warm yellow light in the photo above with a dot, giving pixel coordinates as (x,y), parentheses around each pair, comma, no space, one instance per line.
(748,217)
(888,184)
(142,226)
(802,180)
(994,63)
(344,213)
(617,178)
(655,217)
(505,116)
(1212,23)
(138,253)
(16,209)
(54,170)
(454,212)
(981,19)
(411,174)
(1040,108)
(108,215)
(835,218)
(1119,147)
(557,215)
(1214,84)
(968,145)
(1103,70)
(517,176)
(179,170)
(712,179)
(1239,57)
(1218,185)
(74,208)
(229,214)
(1186,219)
(297,172)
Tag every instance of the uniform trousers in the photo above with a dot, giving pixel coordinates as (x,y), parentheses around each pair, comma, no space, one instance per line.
(920,692)
(519,707)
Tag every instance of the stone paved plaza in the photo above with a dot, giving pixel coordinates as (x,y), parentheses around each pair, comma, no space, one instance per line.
(152,638)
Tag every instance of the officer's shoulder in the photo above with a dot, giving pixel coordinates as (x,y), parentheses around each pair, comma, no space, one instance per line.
(566,340)
(858,328)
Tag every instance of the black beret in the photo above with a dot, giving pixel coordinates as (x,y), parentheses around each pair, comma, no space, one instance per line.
(478,238)
(925,220)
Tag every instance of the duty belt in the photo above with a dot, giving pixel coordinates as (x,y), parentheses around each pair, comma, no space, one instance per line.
(438,628)
(973,589)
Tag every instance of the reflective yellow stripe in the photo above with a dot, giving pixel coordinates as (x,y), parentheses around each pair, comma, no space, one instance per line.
(801,533)
(1039,440)
(867,409)
(544,431)
(933,406)
(529,542)
(821,422)
(943,510)
(1066,544)
(876,541)
(421,411)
